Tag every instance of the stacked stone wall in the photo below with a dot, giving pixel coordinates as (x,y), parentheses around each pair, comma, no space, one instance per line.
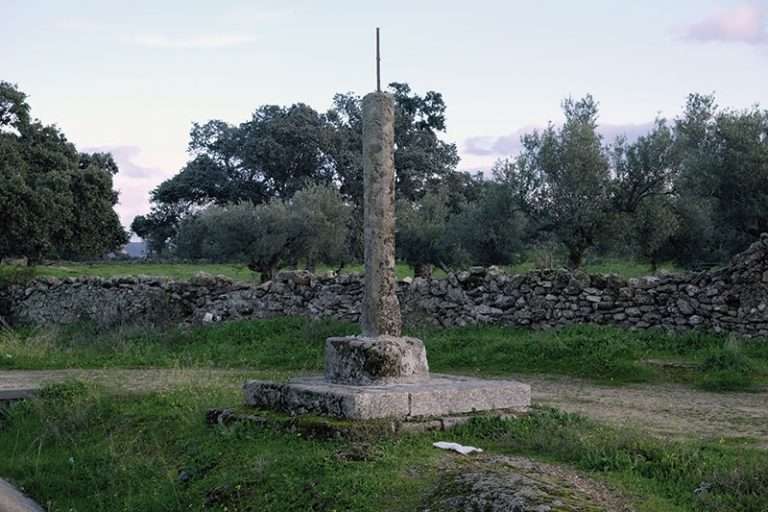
(731,299)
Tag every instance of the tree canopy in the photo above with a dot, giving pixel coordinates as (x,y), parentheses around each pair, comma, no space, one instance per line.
(567,173)
(54,201)
(282,150)
(693,189)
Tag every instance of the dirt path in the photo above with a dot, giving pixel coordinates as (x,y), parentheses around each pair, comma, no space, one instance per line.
(665,410)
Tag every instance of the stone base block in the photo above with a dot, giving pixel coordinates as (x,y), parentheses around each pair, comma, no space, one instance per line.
(360,360)
(439,396)
(11,395)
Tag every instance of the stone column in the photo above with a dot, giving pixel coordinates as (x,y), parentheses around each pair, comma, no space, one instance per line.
(380,310)
(380,355)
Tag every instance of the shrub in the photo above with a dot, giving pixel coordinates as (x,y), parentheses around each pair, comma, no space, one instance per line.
(727,369)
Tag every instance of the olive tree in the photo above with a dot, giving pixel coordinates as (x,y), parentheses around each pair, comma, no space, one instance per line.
(260,235)
(321,220)
(421,232)
(568,180)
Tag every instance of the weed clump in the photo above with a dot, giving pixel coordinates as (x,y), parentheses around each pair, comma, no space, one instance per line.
(727,368)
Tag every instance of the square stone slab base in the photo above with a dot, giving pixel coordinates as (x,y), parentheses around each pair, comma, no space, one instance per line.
(11,395)
(441,395)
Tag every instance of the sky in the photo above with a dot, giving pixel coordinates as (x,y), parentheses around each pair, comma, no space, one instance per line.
(131,77)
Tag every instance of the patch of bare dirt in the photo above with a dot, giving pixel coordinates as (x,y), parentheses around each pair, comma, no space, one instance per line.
(665,410)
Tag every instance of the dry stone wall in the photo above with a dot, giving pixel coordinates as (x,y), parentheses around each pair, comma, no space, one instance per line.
(732,299)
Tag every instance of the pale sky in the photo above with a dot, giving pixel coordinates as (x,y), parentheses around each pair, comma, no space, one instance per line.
(131,76)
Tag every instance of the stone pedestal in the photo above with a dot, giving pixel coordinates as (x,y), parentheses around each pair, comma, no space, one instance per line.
(441,395)
(361,361)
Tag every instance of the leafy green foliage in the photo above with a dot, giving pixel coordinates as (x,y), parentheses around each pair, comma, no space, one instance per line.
(54,201)
(159,227)
(599,353)
(422,160)
(492,228)
(283,150)
(261,235)
(567,178)
(271,156)
(422,232)
(723,179)
(313,227)
(322,218)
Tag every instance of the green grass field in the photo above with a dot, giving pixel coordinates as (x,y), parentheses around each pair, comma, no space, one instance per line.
(240,272)
(79,448)
(236,272)
(603,354)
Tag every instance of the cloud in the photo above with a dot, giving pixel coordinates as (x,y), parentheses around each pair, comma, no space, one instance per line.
(125,157)
(202,41)
(746,23)
(510,145)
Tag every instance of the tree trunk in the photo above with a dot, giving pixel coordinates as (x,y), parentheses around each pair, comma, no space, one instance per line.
(311,265)
(423,270)
(266,275)
(575,258)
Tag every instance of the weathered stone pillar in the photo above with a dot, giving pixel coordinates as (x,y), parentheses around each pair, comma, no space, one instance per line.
(380,355)
(381,374)
(380,311)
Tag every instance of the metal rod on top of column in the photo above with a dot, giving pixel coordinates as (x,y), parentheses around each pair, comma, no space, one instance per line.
(378,62)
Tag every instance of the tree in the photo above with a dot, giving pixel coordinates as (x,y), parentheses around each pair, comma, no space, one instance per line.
(654,223)
(643,193)
(260,235)
(160,225)
(275,154)
(421,232)
(312,227)
(422,160)
(567,177)
(321,219)
(491,230)
(282,150)
(644,168)
(95,224)
(722,186)
(56,202)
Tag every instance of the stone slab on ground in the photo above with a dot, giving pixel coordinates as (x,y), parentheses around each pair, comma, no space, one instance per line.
(11,500)
(440,396)
(10,395)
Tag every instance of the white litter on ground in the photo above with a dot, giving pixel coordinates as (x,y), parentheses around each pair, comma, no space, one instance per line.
(464,450)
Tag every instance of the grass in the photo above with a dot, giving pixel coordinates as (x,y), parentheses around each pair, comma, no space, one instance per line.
(78,448)
(667,474)
(236,272)
(240,272)
(82,449)
(603,354)
(624,268)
